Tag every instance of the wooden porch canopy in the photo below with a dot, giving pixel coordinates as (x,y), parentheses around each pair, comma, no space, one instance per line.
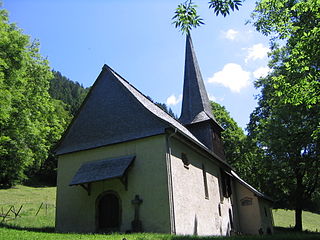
(100,170)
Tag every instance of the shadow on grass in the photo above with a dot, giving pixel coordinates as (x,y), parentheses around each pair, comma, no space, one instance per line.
(283,230)
(29,229)
(38,182)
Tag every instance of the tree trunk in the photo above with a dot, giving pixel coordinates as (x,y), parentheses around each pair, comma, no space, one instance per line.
(298,218)
(299,202)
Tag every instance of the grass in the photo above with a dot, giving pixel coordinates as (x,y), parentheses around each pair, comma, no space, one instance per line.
(285,218)
(38,207)
(13,234)
(29,226)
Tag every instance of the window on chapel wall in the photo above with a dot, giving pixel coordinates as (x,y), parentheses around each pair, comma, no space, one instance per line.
(185,160)
(205,182)
(225,184)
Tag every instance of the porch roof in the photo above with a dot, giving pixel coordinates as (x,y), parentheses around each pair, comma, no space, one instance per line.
(100,170)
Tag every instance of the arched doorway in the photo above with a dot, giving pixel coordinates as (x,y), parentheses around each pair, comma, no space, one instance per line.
(108,212)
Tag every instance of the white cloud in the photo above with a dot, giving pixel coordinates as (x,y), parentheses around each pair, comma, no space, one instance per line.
(257,51)
(212,98)
(231,76)
(261,72)
(173,100)
(231,34)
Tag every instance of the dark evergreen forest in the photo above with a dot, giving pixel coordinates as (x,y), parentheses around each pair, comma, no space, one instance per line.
(70,92)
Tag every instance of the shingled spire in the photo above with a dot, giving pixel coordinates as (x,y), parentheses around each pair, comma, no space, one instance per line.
(196,113)
(195,105)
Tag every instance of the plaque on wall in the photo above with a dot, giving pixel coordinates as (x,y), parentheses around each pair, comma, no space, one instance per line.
(246,201)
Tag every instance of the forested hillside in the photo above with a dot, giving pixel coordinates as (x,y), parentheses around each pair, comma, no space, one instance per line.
(68,91)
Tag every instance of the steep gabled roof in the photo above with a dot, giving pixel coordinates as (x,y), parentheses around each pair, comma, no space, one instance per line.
(195,104)
(114,111)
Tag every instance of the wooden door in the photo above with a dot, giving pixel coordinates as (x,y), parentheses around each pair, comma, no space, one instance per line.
(108,213)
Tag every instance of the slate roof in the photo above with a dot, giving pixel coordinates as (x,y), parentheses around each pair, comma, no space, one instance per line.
(114,111)
(195,103)
(101,170)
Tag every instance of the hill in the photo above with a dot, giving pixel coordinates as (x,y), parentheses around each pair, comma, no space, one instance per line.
(70,92)
(285,218)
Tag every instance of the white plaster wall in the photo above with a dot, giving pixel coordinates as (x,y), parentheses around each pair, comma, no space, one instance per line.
(194,214)
(249,216)
(147,178)
(266,219)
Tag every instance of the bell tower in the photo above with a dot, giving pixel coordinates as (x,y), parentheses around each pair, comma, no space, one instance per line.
(196,113)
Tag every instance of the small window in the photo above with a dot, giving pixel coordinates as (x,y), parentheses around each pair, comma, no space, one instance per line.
(231,218)
(265,212)
(225,184)
(219,209)
(206,192)
(185,160)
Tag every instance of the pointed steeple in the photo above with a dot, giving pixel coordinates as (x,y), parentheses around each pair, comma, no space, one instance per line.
(196,113)
(195,104)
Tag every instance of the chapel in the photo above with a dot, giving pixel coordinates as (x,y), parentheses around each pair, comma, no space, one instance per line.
(125,165)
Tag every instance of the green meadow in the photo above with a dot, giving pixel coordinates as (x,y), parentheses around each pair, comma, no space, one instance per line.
(36,220)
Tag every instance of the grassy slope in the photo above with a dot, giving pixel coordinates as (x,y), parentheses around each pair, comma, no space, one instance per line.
(23,194)
(31,198)
(29,226)
(285,218)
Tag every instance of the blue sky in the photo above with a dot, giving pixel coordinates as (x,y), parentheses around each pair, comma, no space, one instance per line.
(137,39)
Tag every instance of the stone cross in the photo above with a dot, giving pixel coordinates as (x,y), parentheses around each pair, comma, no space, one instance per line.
(136,223)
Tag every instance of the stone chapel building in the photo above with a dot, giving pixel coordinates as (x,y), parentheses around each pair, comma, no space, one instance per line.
(126,165)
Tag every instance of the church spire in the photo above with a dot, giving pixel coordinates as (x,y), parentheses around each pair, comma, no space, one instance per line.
(196,113)
(195,104)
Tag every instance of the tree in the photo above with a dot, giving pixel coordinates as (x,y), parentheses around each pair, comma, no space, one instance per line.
(186,16)
(241,152)
(294,30)
(288,113)
(28,123)
(291,155)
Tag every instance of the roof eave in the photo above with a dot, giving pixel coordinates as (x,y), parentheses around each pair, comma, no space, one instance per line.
(252,189)
(200,146)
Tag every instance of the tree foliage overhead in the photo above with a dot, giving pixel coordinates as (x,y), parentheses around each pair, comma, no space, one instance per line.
(223,7)
(186,16)
(294,30)
(29,124)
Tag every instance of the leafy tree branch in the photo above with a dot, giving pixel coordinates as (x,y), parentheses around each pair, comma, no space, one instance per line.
(186,16)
